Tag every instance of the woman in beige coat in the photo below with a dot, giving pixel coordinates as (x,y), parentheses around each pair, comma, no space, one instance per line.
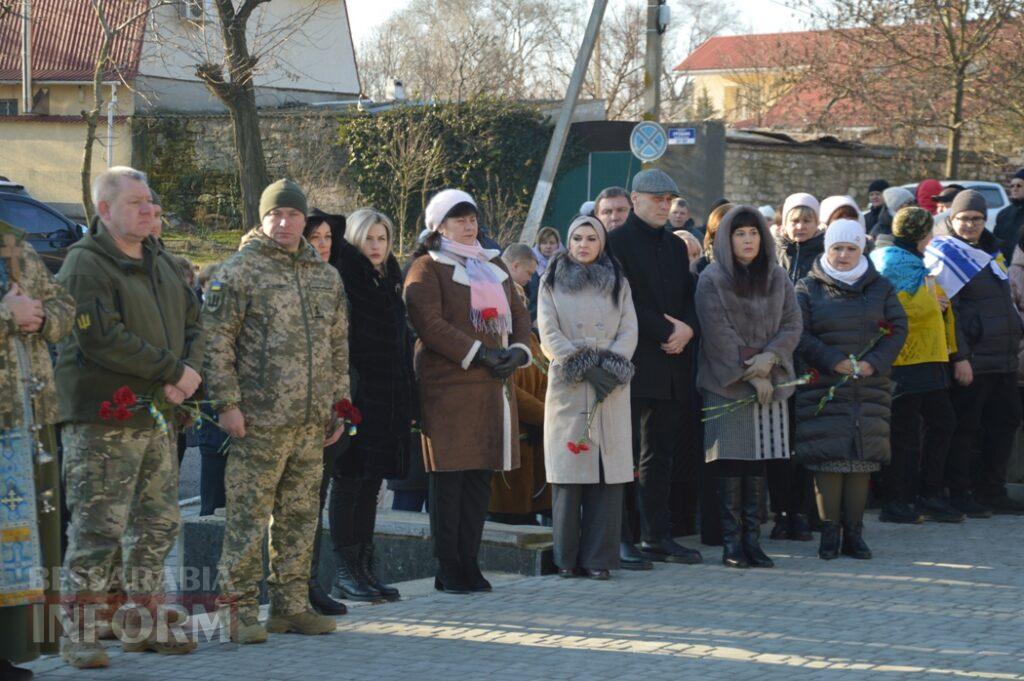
(588,328)
(473,333)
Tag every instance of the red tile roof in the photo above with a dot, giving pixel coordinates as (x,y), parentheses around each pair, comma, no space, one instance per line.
(764,50)
(66,37)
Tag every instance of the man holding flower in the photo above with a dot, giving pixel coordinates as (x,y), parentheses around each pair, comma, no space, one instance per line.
(137,325)
(278,361)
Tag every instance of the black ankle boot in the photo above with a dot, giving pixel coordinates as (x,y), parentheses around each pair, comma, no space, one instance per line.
(368,565)
(780,530)
(829,547)
(322,603)
(449,577)
(799,528)
(730,496)
(853,542)
(474,577)
(349,582)
(753,492)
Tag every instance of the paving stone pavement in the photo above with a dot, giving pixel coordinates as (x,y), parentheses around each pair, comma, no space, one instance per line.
(938,601)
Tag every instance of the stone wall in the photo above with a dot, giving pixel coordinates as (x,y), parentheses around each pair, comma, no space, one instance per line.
(192,157)
(759,173)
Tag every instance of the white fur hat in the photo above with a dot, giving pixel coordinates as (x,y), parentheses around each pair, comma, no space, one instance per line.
(845,231)
(797,200)
(440,205)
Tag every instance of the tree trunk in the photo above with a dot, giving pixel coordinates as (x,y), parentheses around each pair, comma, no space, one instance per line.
(956,121)
(90,137)
(252,166)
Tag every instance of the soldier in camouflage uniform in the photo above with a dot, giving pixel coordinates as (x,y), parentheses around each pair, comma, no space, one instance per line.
(137,325)
(34,310)
(277,361)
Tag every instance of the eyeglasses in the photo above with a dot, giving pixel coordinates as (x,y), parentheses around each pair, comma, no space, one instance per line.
(970,221)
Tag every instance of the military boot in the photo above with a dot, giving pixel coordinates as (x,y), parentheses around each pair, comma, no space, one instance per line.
(246,628)
(307,623)
(177,643)
(349,581)
(83,654)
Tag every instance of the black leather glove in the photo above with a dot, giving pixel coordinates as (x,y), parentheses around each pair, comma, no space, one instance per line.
(491,358)
(602,381)
(515,358)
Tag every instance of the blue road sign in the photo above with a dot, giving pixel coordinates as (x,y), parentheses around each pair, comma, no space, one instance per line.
(648,141)
(682,135)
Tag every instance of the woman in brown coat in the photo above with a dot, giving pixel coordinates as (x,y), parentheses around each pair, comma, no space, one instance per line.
(472,333)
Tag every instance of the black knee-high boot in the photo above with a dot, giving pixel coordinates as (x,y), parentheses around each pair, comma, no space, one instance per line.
(753,492)
(730,502)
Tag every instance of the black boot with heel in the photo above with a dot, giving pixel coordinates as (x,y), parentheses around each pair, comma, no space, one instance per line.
(753,492)
(730,499)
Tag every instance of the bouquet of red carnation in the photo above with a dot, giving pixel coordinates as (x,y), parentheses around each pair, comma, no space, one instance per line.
(583,444)
(348,414)
(124,402)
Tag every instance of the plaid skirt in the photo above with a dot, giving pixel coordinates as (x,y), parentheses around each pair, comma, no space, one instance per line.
(749,433)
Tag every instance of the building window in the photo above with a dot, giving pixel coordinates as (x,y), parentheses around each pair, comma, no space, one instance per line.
(8,107)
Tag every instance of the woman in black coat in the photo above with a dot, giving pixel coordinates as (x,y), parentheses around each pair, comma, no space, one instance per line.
(847,307)
(383,392)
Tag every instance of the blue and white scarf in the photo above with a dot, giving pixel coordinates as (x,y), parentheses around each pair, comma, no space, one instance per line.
(954,263)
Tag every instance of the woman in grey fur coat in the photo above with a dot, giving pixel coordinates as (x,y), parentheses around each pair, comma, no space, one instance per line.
(588,329)
(750,326)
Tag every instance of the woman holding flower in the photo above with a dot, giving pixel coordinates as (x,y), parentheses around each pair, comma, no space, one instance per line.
(750,325)
(854,328)
(588,328)
(473,333)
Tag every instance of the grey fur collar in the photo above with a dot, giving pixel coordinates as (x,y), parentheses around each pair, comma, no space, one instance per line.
(572,277)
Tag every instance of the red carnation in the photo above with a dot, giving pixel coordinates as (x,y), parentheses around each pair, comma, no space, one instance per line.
(489,313)
(814,376)
(355,417)
(124,396)
(106,410)
(574,448)
(584,447)
(341,408)
(885,328)
(122,413)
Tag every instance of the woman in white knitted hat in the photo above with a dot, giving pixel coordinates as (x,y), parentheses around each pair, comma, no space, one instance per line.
(473,333)
(843,438)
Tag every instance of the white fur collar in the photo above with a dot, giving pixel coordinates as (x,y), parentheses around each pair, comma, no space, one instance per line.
(460,276)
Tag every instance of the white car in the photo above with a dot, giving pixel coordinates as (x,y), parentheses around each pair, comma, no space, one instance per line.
(994,193)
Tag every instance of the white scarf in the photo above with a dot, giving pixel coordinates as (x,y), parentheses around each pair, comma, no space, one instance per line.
(848,277)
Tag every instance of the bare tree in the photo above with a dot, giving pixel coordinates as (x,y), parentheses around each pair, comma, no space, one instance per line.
(106,68)
(915,68)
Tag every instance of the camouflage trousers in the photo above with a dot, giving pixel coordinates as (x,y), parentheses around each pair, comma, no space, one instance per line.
(271,485)
(122,492)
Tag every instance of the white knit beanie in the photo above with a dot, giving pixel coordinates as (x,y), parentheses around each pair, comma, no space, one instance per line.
(845,231)
(442,203)
(797,200)
(833,203)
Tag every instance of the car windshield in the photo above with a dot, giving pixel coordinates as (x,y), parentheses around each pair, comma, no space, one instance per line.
(993,197)
(31,218)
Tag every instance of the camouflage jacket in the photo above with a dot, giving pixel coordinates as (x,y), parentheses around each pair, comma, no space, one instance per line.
(35,282)
(277,335)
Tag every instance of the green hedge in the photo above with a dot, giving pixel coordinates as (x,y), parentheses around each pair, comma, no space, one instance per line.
(486,142)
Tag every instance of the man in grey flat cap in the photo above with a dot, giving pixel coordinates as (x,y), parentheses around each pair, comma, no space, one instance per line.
(664,420)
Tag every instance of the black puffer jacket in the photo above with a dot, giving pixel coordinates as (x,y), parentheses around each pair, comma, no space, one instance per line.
(381,368)
(1008,227)
(797,257)
(841,320)
(988,326)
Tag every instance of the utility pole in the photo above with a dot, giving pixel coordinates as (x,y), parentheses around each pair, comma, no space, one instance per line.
(26,58)
(561,132)
(657,22)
